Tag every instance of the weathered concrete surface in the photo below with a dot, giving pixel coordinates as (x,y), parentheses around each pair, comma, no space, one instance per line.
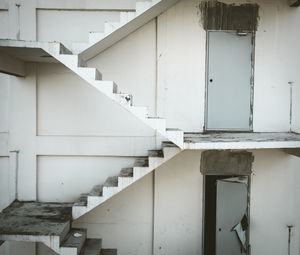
(220,162)
(75,238)
(108,252)
(222,141)
(33,218)
(91,247)
(220,16)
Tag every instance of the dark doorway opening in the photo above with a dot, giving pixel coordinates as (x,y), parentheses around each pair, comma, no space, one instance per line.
(219,234)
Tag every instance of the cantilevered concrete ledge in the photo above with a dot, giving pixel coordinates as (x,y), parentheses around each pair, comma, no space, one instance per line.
(227,141)
(30,51)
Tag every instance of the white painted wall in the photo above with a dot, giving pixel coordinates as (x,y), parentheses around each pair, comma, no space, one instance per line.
(4,182)
(64,178)
(4,31)
(274,203)
(79,109)
(74,25)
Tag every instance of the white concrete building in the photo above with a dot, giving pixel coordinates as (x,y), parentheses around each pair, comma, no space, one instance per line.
(149,128)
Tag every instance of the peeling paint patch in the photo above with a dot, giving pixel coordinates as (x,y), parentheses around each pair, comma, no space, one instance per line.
(220,16)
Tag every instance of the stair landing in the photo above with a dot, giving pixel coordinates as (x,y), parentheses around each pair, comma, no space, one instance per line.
(35,219)
(251,140)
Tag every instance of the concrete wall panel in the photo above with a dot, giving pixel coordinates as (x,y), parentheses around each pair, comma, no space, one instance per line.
(63,179)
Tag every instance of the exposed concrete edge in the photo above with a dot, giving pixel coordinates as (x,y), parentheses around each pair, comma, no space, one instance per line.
(11,65)
(50,48)
(226,162)
(240,145)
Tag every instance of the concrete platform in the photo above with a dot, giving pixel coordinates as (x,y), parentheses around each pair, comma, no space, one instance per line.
(224,141)
(48,223)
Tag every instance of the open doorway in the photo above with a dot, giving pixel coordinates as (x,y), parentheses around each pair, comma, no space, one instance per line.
(226,215)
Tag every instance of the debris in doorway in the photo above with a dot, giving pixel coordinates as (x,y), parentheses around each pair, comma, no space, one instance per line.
(240,230)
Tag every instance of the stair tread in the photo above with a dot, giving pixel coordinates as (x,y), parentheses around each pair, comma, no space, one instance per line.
(141,162)
(96,191)
(111,181)
(91,247)
(156,153)
(126,172)
(108,252)
(75,238)
(82,201)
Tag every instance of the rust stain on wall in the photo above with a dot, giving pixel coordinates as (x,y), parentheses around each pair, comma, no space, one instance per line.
(216,15)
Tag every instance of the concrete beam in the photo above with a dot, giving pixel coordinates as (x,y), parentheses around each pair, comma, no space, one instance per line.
(294,3)
(11,65)
(294,152)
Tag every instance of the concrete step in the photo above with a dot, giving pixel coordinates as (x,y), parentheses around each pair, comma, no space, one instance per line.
(176,136)
(72,60)
(110,27)
(123,99)
(107,87)
(78,47)
(156,123)
(91,247)
(73,242)
(126,172)
(113,185)
(95,37)
(109,252)
(142,7)
(125,17)
(89,73)
(140,111)
(141,162)
(48,223)
(156,153)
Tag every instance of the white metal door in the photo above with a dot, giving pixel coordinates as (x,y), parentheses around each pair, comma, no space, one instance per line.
(230,210)
(229,78)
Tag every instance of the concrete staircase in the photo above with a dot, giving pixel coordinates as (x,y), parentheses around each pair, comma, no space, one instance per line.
(109,27)
(113,185)
(50,224)
(93,77)
(129,21)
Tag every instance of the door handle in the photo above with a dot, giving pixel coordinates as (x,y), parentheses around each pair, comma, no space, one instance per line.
(211,80)
(220,229)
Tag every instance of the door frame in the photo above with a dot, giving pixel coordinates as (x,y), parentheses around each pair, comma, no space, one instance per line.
(205,130)
(204,206)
